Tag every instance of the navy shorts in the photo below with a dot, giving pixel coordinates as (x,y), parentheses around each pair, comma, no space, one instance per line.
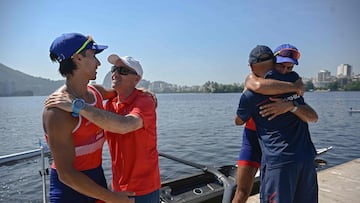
(250,150)
(293,182)
(59,192)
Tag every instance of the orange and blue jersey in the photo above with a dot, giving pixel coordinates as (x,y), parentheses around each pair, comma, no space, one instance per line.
(134,155)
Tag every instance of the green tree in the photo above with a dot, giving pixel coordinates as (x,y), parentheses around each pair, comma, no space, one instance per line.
(333,86)
(309,86)
(352,86)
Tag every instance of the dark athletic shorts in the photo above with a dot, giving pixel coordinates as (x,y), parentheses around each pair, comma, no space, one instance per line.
(293,182)
(59,192)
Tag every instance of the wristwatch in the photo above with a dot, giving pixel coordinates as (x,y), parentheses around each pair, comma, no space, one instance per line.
(296,104)
(77,105)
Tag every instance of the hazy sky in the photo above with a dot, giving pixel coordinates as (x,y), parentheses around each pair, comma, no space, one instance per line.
(185,42)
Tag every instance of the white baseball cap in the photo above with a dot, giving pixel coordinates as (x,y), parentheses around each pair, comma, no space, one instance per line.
(127,61)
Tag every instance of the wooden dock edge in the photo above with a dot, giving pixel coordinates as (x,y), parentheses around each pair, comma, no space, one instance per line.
(340,184)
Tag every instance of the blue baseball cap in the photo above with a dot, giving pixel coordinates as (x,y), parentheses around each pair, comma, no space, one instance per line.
(65,46)
(259,54)
(287,53)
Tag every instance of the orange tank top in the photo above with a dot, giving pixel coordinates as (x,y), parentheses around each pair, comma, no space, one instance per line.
(88,139)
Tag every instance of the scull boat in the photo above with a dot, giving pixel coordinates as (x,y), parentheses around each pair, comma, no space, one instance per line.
(213,184)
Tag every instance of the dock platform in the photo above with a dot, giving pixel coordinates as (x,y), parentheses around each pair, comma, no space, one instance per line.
(339,184)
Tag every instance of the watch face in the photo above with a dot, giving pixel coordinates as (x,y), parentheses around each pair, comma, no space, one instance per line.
(79,103)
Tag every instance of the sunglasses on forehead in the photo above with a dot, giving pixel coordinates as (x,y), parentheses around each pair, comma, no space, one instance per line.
(122,70)
(83,46)
(291,53)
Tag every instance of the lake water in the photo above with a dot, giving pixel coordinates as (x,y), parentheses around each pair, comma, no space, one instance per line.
(195,127)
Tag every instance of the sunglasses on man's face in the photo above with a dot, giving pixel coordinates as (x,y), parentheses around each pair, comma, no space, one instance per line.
(122,70)
(291,53)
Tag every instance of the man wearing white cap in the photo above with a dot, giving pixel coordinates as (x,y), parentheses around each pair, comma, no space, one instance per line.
(133,147)
(130,129)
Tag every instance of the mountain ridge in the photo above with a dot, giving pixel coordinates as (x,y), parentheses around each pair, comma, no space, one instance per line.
(16,83)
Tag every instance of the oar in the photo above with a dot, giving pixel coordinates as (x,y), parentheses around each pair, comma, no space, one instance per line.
(228,185)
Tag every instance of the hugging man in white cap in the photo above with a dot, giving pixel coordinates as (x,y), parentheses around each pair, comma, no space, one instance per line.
(135,164)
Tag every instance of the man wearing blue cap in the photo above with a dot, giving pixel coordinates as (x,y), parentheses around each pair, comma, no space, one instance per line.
(287,151)
(250,153)
(76,143)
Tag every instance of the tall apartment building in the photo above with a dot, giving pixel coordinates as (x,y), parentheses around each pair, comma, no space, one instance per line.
(344,71)
(323,75)
(322,79)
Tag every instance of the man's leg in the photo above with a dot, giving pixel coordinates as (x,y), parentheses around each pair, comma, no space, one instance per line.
(245,180)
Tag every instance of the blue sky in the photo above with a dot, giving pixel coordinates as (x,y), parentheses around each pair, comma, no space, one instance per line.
(185,42)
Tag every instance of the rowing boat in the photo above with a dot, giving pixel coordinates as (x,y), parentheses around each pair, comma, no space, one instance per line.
(19,156)
(209,186)
(213,184)
(200,187)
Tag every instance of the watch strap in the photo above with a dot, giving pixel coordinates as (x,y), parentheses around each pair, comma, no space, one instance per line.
(296,104)
(77,105)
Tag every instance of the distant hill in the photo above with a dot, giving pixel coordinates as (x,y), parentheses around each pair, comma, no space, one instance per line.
(16,83)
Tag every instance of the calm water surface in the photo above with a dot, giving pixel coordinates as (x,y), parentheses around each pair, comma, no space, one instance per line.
(195,127)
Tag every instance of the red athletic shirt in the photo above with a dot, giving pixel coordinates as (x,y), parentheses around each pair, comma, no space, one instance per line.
(134,155)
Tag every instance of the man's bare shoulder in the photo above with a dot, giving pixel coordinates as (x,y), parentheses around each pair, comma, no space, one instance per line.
(58,119)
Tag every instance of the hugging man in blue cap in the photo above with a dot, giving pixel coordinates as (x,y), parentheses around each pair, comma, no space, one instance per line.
(279,116)
(76,143)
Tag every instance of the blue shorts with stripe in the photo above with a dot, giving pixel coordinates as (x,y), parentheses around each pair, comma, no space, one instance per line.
(250,153)
(294,182)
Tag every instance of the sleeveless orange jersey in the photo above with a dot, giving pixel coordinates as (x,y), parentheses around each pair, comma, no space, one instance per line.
(88,139)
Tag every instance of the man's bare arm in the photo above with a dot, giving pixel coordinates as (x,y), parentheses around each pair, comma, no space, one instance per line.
(238,120)
(111,121)
(304,112)
(105,119)
(273,87)
(107,93)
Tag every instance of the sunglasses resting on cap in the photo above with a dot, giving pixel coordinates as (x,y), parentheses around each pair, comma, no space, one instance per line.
(291,53)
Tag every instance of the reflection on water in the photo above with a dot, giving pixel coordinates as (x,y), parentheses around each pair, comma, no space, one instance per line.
(195,127)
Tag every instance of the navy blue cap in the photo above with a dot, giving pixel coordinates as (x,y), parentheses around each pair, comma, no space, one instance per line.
(288,58)
(65,46)
(259,54)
